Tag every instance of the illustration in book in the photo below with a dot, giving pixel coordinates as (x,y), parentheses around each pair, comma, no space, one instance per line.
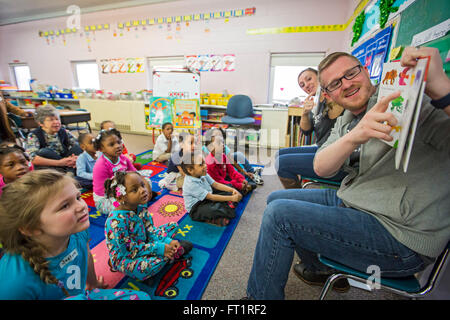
(160,111)
(411,84)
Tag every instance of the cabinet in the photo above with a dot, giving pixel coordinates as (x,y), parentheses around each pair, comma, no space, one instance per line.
(273,128)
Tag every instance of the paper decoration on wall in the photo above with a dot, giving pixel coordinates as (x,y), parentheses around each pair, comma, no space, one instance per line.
(160,111)
(121,65)
(229,62)
(210,62)
(186,113)
(317,28)
(203,62)
(216,62)
(372,53)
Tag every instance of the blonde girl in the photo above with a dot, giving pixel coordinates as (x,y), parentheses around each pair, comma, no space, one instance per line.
(43,230)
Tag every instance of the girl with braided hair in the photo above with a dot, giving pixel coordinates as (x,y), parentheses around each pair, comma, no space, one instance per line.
(136,246)
(43,230)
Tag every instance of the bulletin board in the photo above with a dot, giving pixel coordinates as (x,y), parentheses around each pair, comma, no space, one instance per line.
(419,16)
(176,84)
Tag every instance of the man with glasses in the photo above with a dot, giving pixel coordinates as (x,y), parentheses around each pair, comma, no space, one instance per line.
(380,216)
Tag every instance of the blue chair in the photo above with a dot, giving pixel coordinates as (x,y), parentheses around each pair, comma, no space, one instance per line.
(239,113)
(407,286)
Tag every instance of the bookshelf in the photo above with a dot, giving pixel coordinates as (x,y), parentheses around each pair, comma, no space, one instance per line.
(294,135)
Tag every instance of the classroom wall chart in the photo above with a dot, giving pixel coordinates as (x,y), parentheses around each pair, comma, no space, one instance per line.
(372,53)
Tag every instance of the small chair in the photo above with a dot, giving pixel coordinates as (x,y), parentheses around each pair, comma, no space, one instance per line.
(239,113)
(321,182)
(407,286)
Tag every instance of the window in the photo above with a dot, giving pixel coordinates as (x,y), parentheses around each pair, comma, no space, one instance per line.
(284,71)
(21,73)
(86,75)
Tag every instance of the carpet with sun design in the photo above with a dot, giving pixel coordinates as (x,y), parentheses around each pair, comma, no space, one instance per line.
(182,280)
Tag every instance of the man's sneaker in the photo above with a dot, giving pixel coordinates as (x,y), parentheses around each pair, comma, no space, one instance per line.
(319,279)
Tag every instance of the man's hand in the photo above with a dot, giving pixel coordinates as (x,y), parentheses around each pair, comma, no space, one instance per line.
(438,84)
(375,124)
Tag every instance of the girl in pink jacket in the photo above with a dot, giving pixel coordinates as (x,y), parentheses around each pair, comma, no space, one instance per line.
(221,169)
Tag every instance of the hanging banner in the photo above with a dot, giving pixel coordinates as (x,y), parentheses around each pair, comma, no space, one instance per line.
(372,53)
(122,65)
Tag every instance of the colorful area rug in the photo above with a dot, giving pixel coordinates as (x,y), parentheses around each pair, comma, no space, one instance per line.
(185,279)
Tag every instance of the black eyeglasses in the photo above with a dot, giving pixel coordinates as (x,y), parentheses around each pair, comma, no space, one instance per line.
(349,74)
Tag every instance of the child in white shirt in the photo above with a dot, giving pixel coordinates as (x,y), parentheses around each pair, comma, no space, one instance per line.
(166,144)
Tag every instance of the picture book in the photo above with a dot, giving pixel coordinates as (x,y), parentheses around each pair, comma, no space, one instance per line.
(186,113)
(411,84)
(160,111)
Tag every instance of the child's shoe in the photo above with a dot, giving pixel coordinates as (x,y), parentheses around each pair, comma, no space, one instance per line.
(257,176)
(184,248)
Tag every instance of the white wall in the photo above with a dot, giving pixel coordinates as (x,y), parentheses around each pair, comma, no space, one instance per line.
(50,63)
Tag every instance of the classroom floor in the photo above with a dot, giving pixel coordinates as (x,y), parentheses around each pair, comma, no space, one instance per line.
(229,280)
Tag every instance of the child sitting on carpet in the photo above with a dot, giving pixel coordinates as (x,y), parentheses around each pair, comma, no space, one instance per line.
(166,144)
(135,246)
(86,160)
(205,199)
(45,239)
(221,170)
(14,163)
(109,142)
(175,175)
(108,124)
(237,159)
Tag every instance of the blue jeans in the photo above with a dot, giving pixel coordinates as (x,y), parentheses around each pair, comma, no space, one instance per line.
(312,221)
(290,162)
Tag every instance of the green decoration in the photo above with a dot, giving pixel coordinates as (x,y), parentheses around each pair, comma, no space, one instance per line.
(357,27)
(386,7)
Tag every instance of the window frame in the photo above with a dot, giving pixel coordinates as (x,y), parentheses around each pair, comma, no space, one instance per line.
(300,59)
(14,77)
(76,82)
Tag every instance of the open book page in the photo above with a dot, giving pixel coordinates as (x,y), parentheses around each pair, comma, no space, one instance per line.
(409,82)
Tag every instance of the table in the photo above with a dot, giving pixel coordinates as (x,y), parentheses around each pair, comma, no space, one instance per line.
(67,117)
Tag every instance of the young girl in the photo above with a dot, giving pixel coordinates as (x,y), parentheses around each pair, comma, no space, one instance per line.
(45,239)
(175,175)
(166,144)
(108,124)
(237,159)
(205,199)
(221,170)
(109,142)
(135,246)
(13,163)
